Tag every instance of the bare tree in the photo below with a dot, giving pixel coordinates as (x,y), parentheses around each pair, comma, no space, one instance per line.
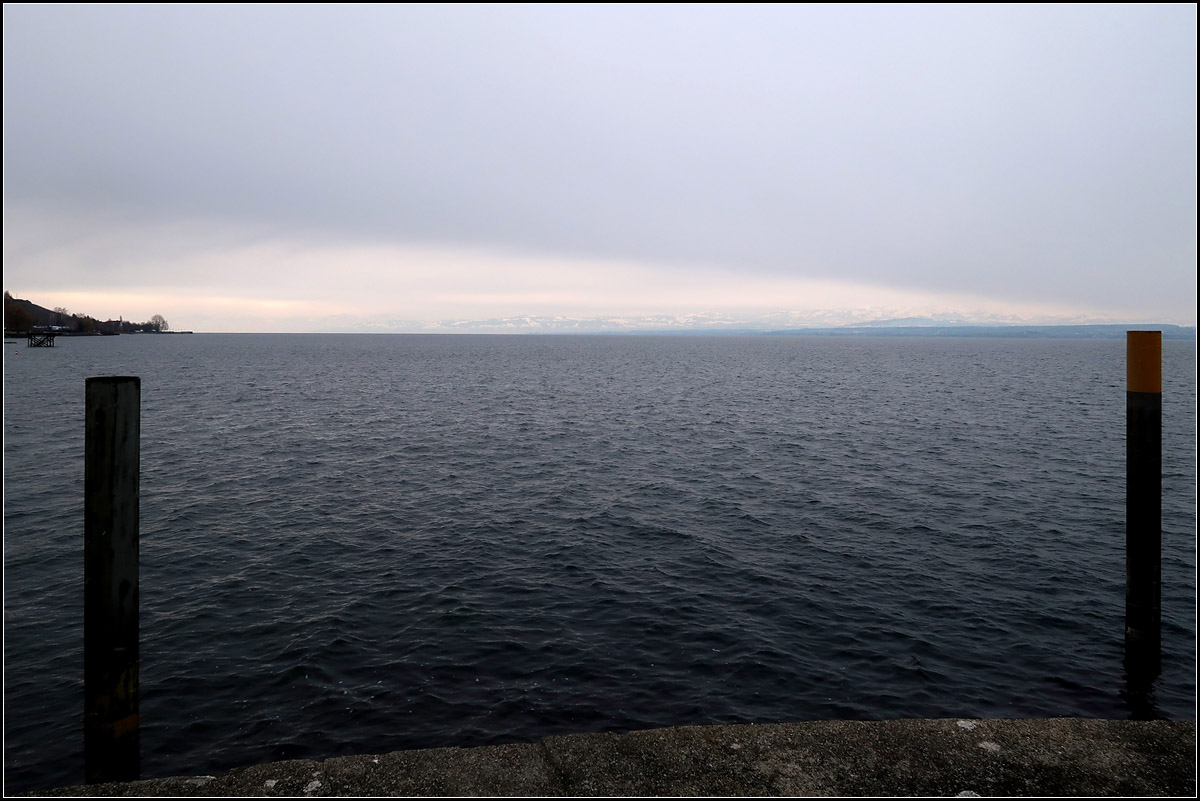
(158,323)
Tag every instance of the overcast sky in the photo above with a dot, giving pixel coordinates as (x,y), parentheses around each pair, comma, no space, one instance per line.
(300,168)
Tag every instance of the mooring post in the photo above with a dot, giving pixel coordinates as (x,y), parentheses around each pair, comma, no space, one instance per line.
(110,578)
(1143,502)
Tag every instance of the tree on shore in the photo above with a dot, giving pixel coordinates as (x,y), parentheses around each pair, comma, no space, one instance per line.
(158,323)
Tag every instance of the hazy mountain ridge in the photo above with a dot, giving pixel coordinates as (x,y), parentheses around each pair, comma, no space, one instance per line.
(828,322)
(818,322)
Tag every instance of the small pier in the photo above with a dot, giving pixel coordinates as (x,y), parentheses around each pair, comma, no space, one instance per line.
(41,339)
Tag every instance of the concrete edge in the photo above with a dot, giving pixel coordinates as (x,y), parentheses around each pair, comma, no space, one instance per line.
(941,757)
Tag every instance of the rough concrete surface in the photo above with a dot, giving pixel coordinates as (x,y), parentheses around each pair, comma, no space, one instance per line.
(1048,757)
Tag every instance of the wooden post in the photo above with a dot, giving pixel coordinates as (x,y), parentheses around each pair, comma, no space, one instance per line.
(110,578)
(1143,503)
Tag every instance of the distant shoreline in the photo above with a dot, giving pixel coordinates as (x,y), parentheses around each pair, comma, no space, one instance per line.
(25,334)
(1100,331)
(1004,331)
(1169,332)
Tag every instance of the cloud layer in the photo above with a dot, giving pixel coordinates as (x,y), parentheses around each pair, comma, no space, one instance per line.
(430,162)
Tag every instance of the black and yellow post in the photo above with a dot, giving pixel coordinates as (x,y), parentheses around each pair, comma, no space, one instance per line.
(112,431)
(1143,504)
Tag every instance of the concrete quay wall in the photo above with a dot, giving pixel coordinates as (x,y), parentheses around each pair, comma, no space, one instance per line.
(947,757)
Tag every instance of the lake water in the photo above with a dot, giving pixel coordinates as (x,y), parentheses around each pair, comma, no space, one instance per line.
(355,544)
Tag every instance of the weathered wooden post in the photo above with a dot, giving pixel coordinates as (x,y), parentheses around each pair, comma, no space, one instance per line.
(110,578)
(1143,503)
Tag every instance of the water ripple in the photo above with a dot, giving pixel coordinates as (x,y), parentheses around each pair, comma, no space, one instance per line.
(368,543)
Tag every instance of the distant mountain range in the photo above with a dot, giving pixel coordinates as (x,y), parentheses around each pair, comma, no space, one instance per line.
(812,324)
(20,314)
(1006,331)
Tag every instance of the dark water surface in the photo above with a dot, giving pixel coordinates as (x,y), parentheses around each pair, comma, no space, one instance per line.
(366,543)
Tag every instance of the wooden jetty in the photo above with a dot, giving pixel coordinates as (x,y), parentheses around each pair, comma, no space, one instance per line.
(41,339)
